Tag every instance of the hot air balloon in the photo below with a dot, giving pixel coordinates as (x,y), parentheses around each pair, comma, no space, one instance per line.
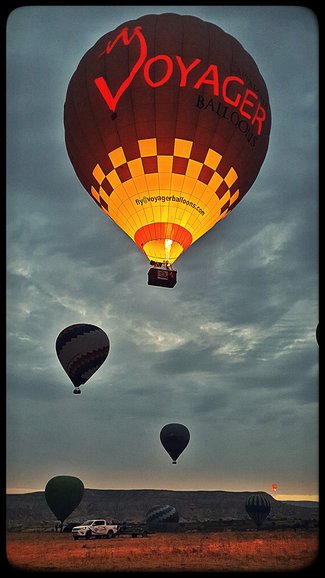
(317,333)
(274,487)
(167,123)
(174,437)
(81,348)
(258,508)
(63,494)
(158,515)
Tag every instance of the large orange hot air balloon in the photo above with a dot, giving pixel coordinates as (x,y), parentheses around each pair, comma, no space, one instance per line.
(167,124)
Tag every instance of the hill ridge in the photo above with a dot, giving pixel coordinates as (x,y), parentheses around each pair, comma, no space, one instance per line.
(31,510)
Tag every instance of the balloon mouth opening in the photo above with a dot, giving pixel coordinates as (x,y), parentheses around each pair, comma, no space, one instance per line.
(157,251)
(163,241)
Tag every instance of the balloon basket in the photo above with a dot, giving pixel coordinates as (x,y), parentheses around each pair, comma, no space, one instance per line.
(161,277)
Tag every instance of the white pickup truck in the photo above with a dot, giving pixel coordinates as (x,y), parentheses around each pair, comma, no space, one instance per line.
(94,529)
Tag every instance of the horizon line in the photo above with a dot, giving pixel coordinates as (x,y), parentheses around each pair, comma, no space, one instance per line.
(279,497)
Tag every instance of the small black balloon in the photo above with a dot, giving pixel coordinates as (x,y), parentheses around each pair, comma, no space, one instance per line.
(174,437)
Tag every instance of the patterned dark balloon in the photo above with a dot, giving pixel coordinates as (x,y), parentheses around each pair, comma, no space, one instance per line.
(82,349)
(258,508)
(161,514)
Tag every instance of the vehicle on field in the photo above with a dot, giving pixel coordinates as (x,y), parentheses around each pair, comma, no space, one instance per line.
(69,526)
(98,528)
(132,530)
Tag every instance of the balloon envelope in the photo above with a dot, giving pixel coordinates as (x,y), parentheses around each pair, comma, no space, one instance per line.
(63,494)
(82,348)
(167,123)
(258,508)
(174,437)
(161,514)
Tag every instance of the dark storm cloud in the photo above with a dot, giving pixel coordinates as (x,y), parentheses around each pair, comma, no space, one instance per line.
(186,360)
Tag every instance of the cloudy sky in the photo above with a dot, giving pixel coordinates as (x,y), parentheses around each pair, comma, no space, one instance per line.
(230,351)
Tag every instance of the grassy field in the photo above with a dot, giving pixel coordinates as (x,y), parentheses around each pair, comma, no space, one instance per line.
(219,552)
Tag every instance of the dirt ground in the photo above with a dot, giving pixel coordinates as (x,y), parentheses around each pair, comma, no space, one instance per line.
(252,551)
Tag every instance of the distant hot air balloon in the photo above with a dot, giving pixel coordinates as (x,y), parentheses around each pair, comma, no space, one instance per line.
(167,124)
(258,508)
(174,437)
(317,333)
(274,487)
(161,514)
(81,348)
(63,494)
